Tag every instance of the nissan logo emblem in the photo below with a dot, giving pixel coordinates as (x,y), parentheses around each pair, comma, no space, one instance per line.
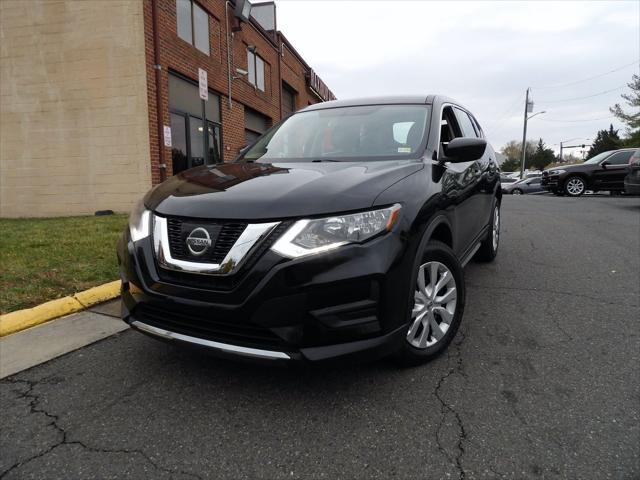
(198,241)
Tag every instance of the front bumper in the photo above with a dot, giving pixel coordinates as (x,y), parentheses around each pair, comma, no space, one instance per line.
(550,183)
(347,304)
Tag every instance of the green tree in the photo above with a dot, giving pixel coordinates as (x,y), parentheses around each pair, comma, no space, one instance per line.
(631,119)
(510,165)
(513,151)
(605,140)
(542,156)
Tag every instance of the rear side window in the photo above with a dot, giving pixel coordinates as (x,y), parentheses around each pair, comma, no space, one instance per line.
(465,123)
(620,158)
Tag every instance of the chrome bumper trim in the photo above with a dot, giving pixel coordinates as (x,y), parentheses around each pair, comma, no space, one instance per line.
(235,349)
(249,239)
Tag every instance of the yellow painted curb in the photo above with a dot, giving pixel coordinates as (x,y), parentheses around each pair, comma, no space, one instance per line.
(16,321)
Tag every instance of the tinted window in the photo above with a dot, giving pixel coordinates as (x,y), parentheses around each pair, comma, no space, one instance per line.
(465,124)
(534,181)
(183,12)
(620,158)
(288,100)
(191,17)
(201,26)
(348,133)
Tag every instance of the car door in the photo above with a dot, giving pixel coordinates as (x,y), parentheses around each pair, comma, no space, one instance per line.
(484,176)
(460,184)
(612,170)
(533,185)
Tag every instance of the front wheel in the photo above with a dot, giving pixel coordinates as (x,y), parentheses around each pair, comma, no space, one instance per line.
(516,191)
(575,186)
(436,305)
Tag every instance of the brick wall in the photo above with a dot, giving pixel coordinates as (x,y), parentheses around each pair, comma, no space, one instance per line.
(73,110)
(181,57)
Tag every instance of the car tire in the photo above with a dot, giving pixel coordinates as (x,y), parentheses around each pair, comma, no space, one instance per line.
(428,334)
(575,186)
(489,246)
(516,191)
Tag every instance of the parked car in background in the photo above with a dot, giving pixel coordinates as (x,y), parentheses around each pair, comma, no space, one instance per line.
(504,180)
(605,171)
(340,233)
(632,180)
(526,185)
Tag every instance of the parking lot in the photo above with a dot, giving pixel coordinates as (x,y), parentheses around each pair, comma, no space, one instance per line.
(541,381)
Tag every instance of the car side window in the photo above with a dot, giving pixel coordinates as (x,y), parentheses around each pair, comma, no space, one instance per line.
(449,129)
(534,181)
(477,125)
(465,123)
(620,158)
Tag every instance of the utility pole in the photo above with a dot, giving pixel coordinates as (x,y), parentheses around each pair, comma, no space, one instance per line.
(560,152)
(524,134)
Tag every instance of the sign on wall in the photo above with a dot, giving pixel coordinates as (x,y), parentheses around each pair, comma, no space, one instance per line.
(202,83)
(167,136)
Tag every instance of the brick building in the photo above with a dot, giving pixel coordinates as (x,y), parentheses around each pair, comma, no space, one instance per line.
(101,100)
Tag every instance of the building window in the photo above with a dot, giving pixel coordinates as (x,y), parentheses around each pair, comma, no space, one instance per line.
(255,124)
(193,24)
(187,132)
(288,100)
(255,65)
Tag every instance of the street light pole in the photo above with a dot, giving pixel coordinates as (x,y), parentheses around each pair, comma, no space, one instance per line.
(524,134)
(560,152)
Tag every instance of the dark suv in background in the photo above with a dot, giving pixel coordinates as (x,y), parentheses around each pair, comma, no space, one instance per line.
(340,233)
(605,171)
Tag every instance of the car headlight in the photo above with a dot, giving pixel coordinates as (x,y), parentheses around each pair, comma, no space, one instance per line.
(557,172)
(313,236)
(139,222)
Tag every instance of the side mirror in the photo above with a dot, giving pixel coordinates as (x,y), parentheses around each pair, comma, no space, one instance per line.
(465,149)
(605,163)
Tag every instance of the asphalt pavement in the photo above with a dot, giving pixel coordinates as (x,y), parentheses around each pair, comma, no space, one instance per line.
(542,381)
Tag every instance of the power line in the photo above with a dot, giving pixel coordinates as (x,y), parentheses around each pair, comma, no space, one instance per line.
(508,113)
(576,121)
(588,78)
(581,98)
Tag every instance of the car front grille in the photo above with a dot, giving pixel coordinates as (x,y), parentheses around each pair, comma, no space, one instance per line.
(201,324)
(223,236)
(223,282)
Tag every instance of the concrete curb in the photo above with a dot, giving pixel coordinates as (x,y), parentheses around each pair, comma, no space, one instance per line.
(22,319)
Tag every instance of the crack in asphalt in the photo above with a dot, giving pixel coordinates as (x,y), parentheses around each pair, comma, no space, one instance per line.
(458,368)
(34,408)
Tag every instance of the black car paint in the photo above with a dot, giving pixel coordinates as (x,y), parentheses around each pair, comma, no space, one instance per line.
(298,299)
(597,176)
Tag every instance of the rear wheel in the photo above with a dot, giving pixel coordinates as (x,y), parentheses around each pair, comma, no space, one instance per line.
(575,186)
(516,191)
(437,304)
(489,246)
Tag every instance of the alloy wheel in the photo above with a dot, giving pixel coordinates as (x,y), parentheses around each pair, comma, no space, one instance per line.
(434,305)
(575,186)
(517,192)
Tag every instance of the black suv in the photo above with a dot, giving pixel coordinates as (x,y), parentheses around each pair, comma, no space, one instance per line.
(340,233)
(605,171)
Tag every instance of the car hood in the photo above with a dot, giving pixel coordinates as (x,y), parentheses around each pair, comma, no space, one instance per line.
(565,167)
(276,190)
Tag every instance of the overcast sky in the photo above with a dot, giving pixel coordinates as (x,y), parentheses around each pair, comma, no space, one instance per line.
(484,54)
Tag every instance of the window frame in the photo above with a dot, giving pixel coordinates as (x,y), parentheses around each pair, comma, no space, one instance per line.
(187,115)
(254,83)
(192,42)
(615,154)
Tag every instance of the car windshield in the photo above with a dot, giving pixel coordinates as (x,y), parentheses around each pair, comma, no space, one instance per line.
(345,134)
(598,158)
